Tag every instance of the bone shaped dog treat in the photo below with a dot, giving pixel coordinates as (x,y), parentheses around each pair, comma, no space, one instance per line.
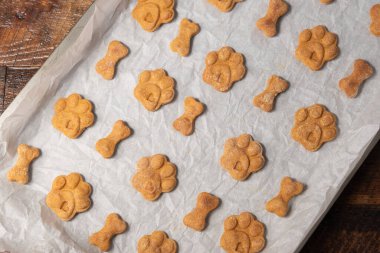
(280,204)
(265,100)
(206,203)
(182,43)
(20,171)
(113,226)
(375,20)
(106,66)
(326,1)
(351,84)
(185,123)
(106,146)
(268,24)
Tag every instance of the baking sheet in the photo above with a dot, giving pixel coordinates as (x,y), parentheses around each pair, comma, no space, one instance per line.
(27,225)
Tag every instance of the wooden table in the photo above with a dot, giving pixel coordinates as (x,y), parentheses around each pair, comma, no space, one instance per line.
(30,31)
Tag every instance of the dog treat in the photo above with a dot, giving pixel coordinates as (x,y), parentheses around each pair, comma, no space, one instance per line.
(242,156)
(154,89)
(106,146)
(68,196)
(351,84)
(151,14)
(224,5)
(158,241)
(106,66)
(206,203)
(279,205)
(265,100)
(73,115)
(182,43)
(20,171)
(243,233)
(185,123)
(326,1)
(155,175)
(113,226)
(224,68)
(268,24)
(316,47)
(375,20)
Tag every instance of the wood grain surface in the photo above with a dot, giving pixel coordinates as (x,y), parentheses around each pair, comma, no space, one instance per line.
(31,29)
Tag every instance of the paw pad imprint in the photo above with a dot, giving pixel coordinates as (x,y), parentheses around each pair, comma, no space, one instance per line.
(72,115)
(106,66)
(206,203)
(224,5)
(314,126)
(243,233)
(154,176)
(68,196)
(185,123)
(20,171)
(279,205)
(158,241)
(182,43)
(268,24)
(151,14)
(224,68)
(316,47)
(154,89)
(375,20)
(113,226)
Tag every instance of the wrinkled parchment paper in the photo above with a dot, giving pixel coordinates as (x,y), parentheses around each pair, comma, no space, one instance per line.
(27,225)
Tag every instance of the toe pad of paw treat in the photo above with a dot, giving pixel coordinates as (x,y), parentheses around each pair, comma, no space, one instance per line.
(106,67)
(158,241)
(20,171)
(182,43)
(268,24)
(185,123)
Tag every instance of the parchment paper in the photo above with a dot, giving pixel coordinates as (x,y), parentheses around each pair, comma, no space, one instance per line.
(28,225)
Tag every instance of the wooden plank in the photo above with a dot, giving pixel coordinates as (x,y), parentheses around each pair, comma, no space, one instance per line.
(3,72)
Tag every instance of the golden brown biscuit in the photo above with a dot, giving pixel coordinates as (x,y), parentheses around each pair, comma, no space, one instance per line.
(279,205)
(158,241)
(151,14)
(185,123)
(182,43)
(20,171)
(154,89)
(106,66)
(224,68)
(242,156)
(106,146)
(206,203)
(326,1)
(350,85)
(224,5)
(155,175)
(113,226)
(243,233)
(316,47)
(68,196)
(375,20)
(73,115)
(265,100)
(313,126)
(268,24)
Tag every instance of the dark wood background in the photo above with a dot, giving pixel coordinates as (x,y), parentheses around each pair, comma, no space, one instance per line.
(31,29)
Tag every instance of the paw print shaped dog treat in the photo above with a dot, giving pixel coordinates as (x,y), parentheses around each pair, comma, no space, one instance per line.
(113,226)
(242,156)
(68,196)
(314,126)
(265,100)
(185,123)
(182,43)
(316,47)
(106,66)
(72,115)
(151,14)
(224,68)
(206,203)
(20,171)
(326,1)
(243,233)
(224,5)
(350,85)
(106,146)
(158,241)
(279,205)
(375,20)
(154,176)
(154,89)
(268,24)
